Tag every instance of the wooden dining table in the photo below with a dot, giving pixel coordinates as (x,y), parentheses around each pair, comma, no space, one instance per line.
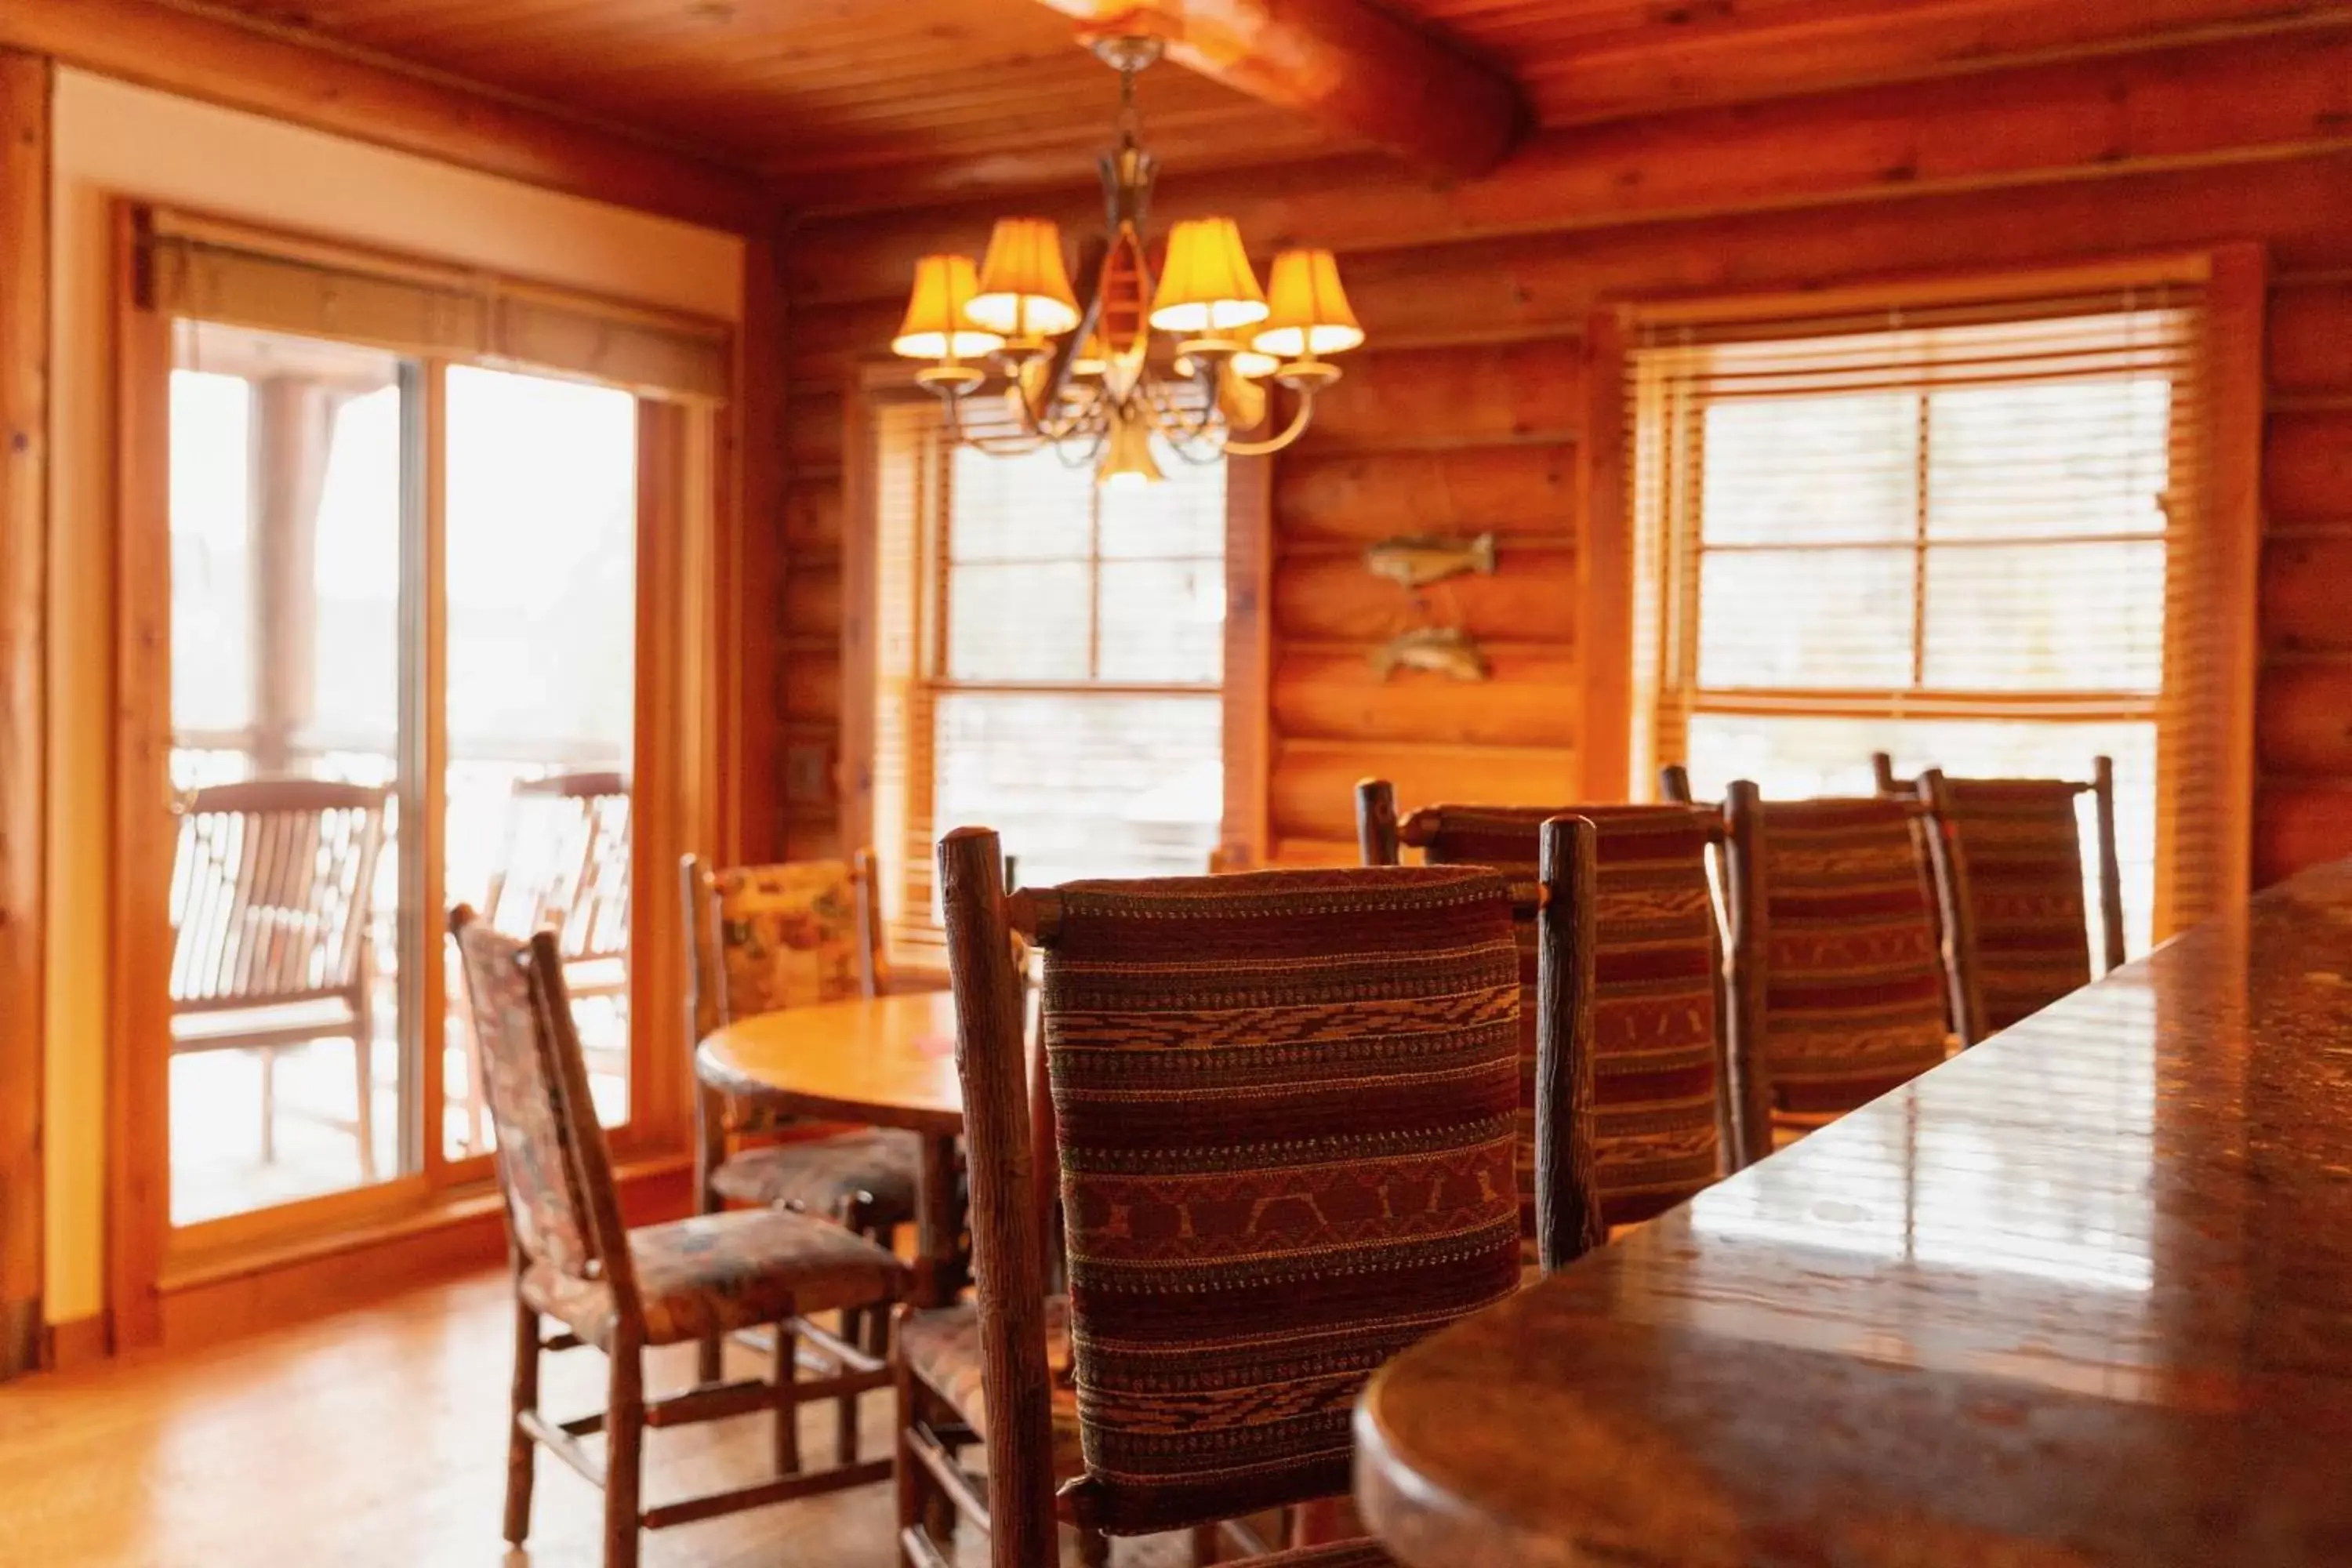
(2081,1296)
(886,1061)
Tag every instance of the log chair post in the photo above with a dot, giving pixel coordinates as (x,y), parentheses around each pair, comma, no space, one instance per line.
(2111,876)
(1008,1252)
(1568,1193)
(1744,881)
(1377,838)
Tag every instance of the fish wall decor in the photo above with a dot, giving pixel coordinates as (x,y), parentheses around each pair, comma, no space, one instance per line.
(1439,650)
(1417,559)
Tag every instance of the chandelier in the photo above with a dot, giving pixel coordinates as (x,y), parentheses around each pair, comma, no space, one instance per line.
(1090,381)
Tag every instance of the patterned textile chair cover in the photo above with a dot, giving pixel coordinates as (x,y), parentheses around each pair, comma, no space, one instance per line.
(621,1290)
(764,939)
(1286,1107)
(1660,1115)
(1837,981)
(2008,876)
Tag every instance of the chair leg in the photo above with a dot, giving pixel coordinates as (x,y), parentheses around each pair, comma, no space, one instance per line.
(1094,1548)
(269,1105)
(854,1217)
(1207,1539)
(625,1427)
(364,1057)
(522,1454)
(908,1470)
(787,1376)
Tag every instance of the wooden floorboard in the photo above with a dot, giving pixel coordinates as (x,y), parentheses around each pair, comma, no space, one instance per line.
(375,1440)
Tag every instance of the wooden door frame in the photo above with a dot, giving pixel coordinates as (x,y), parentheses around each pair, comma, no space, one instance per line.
(685,508)
(25,90)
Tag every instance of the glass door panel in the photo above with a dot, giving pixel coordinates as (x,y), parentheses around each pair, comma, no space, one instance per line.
(541,531)
(286,514)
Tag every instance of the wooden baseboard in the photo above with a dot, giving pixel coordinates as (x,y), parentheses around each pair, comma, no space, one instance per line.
(68,1346)
(285,1286)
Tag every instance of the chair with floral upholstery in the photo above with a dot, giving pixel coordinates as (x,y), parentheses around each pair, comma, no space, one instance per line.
(1837,981)
(1283,1113)
(1661,1119)
(626,1291)
(763,938)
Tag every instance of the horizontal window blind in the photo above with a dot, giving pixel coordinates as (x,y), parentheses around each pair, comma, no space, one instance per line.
(1051,659)
(207,270)
(1961,531)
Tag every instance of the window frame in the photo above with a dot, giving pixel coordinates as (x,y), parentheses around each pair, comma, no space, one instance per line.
(1244,694)
(1628,624)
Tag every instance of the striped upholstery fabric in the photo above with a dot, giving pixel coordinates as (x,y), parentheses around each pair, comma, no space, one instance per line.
(1853,992)
(1657,1039)
(2020,851)
(1286,1104)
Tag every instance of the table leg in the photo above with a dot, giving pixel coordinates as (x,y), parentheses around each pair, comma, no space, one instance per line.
(937,1272)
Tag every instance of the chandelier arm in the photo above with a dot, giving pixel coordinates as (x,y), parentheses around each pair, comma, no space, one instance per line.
(1170,422)
(1290,432)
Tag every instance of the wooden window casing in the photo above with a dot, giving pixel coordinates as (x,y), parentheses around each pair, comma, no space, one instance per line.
(2180,321)
(174,265)
(895,654)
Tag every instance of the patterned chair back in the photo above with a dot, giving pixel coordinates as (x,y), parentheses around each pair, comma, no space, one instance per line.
(1286,1106)
(553,1166)
(1660,1120)
(1836,970)
(2009,871)
(791,935)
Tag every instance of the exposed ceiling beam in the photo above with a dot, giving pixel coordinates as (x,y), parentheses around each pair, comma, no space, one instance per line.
(1362,72)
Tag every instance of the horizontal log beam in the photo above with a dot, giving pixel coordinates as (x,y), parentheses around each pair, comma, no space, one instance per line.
(1364,73)
(1312,793)
(2303,580)
(308,80)
(2164,110)
(2299,823)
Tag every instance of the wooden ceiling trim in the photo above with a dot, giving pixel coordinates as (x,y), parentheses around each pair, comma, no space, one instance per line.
(330,90)
(1751,52)
(1361,73)
(2254,100)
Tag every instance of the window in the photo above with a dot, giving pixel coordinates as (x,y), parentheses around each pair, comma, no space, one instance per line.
(1957,534)
(1051,665)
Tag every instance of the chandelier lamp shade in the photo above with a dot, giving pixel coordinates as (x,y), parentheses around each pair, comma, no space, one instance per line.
(1126,361)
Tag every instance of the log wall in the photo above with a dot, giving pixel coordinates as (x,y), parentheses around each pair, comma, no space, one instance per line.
(1465,415)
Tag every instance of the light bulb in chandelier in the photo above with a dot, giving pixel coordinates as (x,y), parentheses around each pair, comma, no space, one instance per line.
(1025,291)
(1126,460)
(937,324)
(1207,290)
(1308,311)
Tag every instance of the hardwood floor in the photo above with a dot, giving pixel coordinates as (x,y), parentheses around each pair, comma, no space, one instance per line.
(375,1440)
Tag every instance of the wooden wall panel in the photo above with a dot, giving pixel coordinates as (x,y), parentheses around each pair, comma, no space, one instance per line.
(2307,466)
(2306,580)
(1465,413)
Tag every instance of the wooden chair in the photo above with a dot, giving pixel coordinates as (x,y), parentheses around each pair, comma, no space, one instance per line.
(762,939)
(1837,981)
(563,865)
(2008,856)
(1256,1221)
(1662,1114)
(273,887)
(625,1291)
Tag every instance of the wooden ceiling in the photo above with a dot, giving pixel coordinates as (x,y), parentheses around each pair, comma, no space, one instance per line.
(857,103)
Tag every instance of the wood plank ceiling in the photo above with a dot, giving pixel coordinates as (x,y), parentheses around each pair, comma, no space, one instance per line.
(854,103)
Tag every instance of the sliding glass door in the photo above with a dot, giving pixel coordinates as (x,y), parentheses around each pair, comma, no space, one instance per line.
(402,618)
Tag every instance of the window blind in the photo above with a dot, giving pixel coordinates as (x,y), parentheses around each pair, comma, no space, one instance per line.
(1050,664)
(1963,531)
(207,270)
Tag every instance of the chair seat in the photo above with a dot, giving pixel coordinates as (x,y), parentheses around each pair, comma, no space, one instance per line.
(942,1348)
(877,1168)
(1364,1553)
(715,1273)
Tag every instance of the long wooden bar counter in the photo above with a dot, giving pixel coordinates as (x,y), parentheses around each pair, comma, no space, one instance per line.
(2081,1296)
